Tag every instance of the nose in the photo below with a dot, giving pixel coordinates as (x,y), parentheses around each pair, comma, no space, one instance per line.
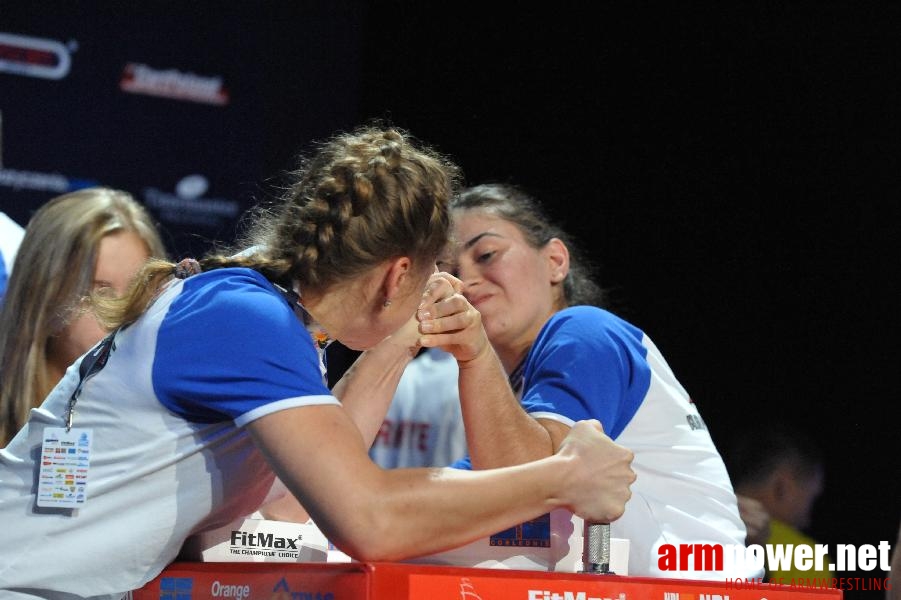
(470,278)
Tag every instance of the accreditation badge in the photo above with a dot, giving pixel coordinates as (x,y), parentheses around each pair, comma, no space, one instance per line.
(63,475)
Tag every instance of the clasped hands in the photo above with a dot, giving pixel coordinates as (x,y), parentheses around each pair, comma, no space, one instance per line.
(448,321)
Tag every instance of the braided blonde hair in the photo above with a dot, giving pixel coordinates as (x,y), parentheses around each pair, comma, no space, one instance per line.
(362,198)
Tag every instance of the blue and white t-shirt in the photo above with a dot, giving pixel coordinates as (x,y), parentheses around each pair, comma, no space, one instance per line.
(587,363)
(682,493)
(170,456)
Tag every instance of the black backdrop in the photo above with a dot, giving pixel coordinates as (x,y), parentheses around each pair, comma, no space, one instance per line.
(732,171)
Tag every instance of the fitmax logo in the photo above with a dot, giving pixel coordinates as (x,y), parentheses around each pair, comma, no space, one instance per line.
(263,540)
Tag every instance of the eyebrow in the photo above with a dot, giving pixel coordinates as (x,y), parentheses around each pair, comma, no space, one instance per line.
(475,239)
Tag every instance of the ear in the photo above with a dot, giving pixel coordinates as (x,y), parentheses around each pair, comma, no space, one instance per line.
(396,278)
(557,256)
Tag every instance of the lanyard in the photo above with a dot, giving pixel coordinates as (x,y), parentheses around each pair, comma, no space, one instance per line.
(90,366)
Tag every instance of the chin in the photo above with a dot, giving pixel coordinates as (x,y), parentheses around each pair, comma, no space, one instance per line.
(356,344)
(363,342)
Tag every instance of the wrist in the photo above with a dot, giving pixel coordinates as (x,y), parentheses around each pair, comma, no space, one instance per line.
(559,476)
(484,356)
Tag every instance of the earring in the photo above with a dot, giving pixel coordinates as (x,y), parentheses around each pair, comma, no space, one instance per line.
(387,303)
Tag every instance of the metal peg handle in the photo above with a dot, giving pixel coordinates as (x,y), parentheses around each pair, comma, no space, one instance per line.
(596,549)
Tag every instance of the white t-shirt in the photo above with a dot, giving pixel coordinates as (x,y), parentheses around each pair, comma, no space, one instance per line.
(424,425)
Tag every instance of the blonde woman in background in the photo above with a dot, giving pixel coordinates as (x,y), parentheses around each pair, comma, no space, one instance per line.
(74,244)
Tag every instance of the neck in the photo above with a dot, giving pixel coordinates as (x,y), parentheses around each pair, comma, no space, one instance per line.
(329,310)
(511,358)
(515,351)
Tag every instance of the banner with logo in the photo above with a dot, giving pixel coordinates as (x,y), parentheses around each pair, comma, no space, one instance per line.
(167,104)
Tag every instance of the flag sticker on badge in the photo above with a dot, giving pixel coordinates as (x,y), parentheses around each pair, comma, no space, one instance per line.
(65,461)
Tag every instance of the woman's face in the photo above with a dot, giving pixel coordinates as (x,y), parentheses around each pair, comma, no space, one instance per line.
(119,257)
(508,281)
(363,328)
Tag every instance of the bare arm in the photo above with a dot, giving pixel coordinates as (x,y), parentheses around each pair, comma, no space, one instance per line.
(368,386)
(498,431)
(376,514)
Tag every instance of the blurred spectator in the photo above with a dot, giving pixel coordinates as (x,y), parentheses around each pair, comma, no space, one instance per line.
(782,468)
(74,245)
(423,426)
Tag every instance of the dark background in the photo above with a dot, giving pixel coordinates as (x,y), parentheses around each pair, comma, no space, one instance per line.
(732,171)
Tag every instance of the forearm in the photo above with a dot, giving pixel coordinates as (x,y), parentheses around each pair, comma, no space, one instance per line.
(392,514)
(498,431)
(368,386)
(462,506)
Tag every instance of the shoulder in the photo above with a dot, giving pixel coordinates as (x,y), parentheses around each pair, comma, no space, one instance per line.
(233,295)
(580,315)
(227,311)
(588,324)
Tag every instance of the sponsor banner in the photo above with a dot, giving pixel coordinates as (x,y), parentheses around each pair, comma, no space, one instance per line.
(55,183)
(139,78)
(284,584)
(207,581)
(34,56)
(593,587)
(259,540)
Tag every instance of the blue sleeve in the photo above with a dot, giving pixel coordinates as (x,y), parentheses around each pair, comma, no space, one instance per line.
(462,463)
(230,344)
(2,278)
(586,364)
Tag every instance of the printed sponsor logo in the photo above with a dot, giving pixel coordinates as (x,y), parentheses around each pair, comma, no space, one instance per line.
(187,206)
(229,590)
(264,544)
(42,182)
(283,591)
(569,595)
(139,78)
(468,590)
(35,57)
(695,422)
(176,588)
(684,596)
